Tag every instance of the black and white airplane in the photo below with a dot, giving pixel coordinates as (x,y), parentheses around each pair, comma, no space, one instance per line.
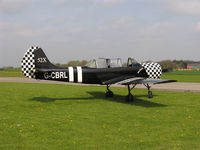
(36,65)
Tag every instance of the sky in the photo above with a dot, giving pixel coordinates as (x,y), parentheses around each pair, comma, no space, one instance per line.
(87,29)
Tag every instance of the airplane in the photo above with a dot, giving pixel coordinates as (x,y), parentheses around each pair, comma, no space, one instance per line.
(36,65)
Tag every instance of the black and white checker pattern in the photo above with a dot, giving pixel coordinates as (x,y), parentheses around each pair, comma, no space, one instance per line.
(28,63)
(154,70)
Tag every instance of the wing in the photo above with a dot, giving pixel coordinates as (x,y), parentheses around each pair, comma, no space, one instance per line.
(155,81)
(126,80)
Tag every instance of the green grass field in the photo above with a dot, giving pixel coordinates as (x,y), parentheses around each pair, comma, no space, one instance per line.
(183,76)
(57,117)
(15,72)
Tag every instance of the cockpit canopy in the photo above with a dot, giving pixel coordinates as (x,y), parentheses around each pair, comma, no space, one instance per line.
(110,63)
(132,62)
(105,63)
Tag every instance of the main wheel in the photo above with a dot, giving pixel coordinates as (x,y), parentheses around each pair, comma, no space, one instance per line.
(129,98)
(150,95)
(109,94)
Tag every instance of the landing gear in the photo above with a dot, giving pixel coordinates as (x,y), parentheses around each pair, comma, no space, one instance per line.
(109,93)
(129,97)
(150,95)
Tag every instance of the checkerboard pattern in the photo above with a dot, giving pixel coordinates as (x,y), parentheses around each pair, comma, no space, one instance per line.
(28,63)
(154,70)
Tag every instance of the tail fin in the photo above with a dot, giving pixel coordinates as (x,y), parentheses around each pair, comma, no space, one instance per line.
(34,58)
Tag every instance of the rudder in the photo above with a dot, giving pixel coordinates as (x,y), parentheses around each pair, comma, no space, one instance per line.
(28,63)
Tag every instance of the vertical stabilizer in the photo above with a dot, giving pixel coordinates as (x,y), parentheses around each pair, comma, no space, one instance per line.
(33,59)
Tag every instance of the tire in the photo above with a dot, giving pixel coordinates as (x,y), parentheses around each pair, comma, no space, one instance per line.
(109,94)
(150,95)
(129,98)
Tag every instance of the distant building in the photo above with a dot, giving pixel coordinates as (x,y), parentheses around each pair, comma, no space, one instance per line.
(195,66)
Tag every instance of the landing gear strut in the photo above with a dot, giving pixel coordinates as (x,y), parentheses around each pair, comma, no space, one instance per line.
(129,97)
(109,93)
(150,95)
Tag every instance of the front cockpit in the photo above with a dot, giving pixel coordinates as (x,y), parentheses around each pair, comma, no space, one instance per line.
(132,62)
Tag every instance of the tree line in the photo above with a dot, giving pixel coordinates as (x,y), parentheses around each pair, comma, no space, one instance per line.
(167,65)
(73,63)
(170,65)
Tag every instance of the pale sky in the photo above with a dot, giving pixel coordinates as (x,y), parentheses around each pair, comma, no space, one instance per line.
(86,29)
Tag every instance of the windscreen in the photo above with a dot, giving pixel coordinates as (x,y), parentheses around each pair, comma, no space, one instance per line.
(132,62)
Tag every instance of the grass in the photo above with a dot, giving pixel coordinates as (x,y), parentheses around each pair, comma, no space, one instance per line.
(183,76)
(14,72)
(11,74)
(57,117)
(12,69)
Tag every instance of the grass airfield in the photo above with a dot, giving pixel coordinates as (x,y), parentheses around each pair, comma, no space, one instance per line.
(183,76)
(14,72)
(45,116)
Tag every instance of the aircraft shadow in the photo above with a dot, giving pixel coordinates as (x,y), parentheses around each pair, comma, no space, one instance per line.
(138,101)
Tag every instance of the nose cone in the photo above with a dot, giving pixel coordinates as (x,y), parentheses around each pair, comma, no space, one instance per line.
(153,70)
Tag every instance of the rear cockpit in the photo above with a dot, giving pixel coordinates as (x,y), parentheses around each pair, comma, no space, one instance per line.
(111,63)
(105,63)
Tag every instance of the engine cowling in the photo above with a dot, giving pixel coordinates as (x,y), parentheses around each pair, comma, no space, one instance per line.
(154,70)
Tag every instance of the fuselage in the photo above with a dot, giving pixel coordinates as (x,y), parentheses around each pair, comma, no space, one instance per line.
(89,75)
(36,65)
